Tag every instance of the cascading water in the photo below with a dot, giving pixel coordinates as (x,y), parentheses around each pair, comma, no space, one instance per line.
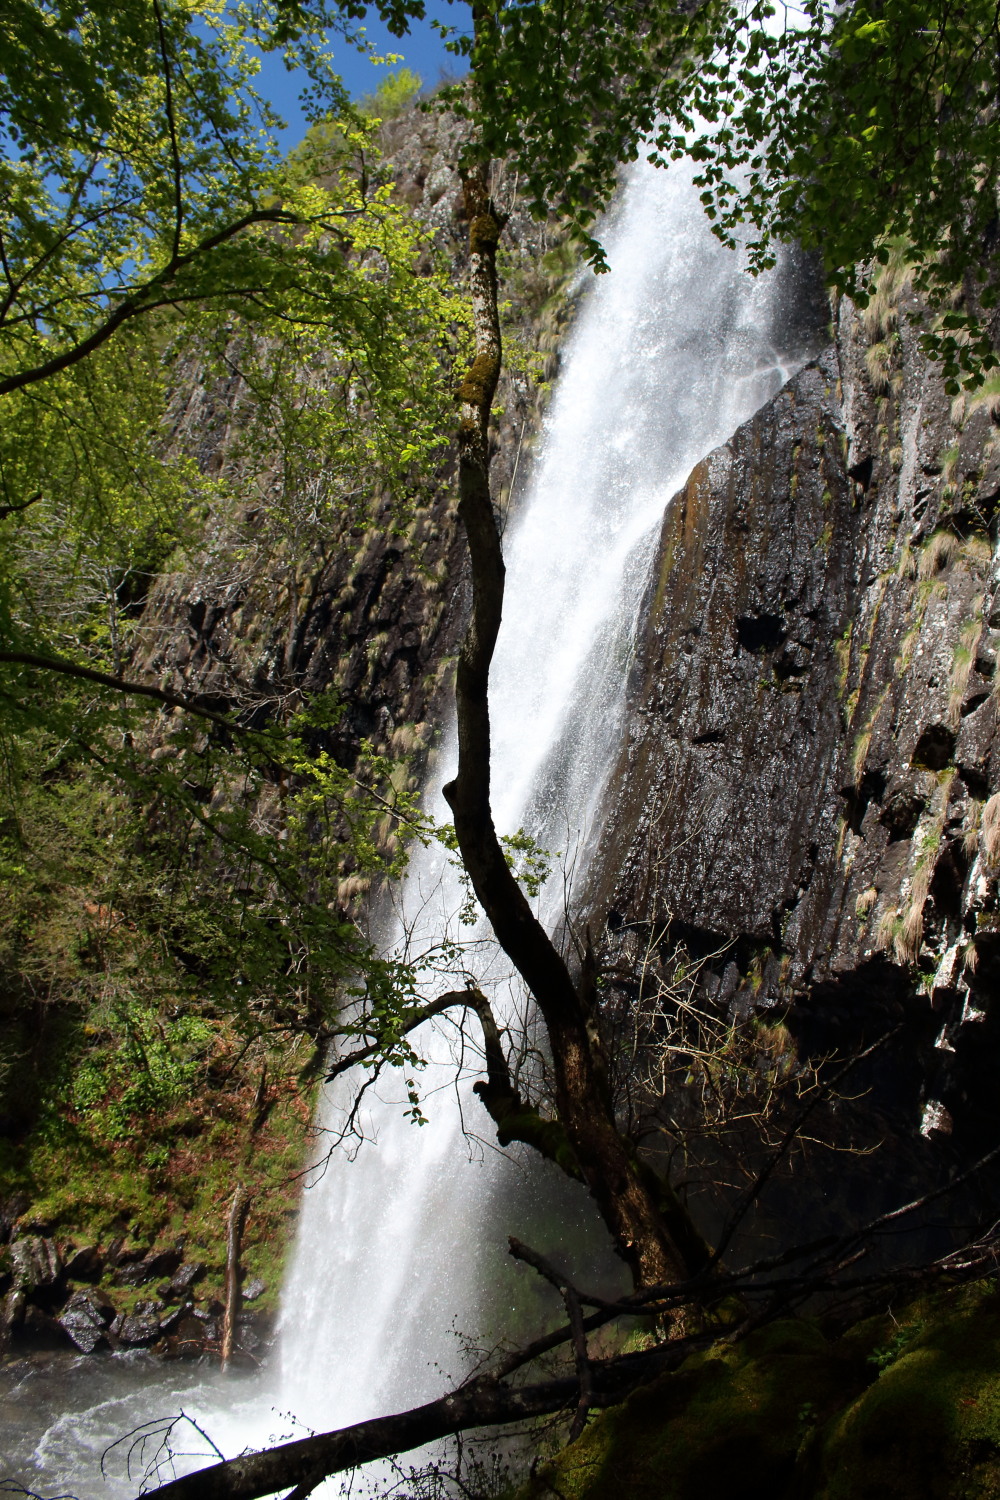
(670,353)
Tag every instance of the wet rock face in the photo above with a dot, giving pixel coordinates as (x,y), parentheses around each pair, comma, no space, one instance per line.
(43,1306)
(807,780)
(736,712)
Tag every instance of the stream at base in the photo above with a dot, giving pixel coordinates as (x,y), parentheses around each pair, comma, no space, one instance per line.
(400,1273)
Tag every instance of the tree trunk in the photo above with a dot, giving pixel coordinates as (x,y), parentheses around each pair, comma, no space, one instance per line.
(649,1224)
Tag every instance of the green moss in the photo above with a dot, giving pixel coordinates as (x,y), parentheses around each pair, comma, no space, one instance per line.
(930,1425)
(899,1408)
(729,1423)
(172,1171)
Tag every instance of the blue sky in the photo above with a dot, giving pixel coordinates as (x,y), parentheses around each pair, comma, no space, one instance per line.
(423,51)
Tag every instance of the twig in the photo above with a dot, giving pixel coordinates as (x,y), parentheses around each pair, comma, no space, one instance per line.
(578,1335)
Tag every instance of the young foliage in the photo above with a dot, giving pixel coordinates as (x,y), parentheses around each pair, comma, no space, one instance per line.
(850,129)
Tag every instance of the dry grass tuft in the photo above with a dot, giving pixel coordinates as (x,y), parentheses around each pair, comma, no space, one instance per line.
(352,887)
(977,551)
(909,933)
(406,738)
(991,829)
(886,930)
(860,754)
(878,359)
(881,315)
(961,669)
(973,824)
(907,565)
(866,901)
(937,554)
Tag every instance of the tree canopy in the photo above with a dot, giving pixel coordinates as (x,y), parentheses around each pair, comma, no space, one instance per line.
(857,130)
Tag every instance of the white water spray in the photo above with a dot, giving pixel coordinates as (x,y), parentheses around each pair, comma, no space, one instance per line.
(670,353)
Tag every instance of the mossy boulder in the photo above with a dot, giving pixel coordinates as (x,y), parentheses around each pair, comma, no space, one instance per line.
(906,1406)
(730,1422)
(929,1427)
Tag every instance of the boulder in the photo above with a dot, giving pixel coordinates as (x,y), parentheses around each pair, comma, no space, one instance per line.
(41,1329)
(86,1317)
(188,1339)
(85,1264)
(135,1330)
(11,1314)
(184,1279)
(172,1321)
(148,1309)
(155,1263)
(36,1264)
(11,1210)
(254,1288)
(163,1262)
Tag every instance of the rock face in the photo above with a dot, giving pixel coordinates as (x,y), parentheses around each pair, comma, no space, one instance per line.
(806,792)
(372,613)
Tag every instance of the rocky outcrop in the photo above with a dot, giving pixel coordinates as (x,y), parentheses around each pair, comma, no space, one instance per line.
(902,1406)
(48,1301)
(806,793)
(369,608)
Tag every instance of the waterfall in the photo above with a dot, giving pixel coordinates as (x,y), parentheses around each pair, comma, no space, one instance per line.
(401,1245)
(671,352)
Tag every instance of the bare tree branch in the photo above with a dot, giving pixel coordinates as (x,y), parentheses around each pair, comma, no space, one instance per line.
(15,509)
(175,155)
(120,684)
(144,299)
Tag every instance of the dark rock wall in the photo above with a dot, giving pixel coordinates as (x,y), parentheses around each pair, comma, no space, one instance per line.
(808,773)
(371,610)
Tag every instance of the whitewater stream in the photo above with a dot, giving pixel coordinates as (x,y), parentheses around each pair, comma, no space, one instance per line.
(399,1270)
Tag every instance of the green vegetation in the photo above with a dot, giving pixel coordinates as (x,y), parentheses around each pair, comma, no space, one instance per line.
(179,941)
(178,934)
(904,179)
(396,91)
(904,1405)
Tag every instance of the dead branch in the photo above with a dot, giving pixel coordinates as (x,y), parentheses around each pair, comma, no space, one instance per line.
(571,1301)
(482,1402)
(234,1239)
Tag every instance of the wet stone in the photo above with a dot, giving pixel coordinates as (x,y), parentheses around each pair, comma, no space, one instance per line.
(136,1331)
(41,1329)
(147,1309)
(188,1337)
(85,1264)
(184,1278)
(35,1263)
(171,1323)
(254,1288)
(85,1319)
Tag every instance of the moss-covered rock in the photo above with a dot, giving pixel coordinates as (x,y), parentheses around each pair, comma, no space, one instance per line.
(929,1426)
(905,1406)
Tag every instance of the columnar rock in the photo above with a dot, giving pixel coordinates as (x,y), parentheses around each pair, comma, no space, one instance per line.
(807,792)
